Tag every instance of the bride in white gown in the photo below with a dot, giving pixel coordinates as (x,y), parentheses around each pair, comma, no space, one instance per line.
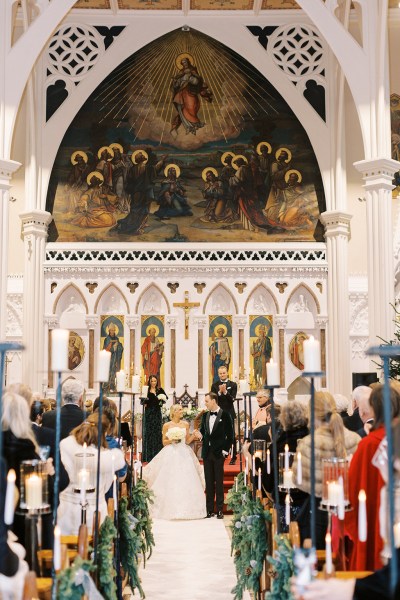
(175,475)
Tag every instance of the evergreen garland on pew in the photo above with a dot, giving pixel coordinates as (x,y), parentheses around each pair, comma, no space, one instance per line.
(105,564)
(283,569)
(140,502)
(130,544)
(67,588)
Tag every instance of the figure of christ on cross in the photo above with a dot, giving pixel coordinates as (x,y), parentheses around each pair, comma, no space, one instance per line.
(186,305)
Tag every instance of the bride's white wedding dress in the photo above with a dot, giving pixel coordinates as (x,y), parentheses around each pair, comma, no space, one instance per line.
(177,480)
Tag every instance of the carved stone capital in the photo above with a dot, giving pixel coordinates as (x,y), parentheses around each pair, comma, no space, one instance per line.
(378,173)
(132,322)
(321,322)
(240,321)
(172,321)
(52,321)
(200,322)
(91,321)
(7,168)
(280,321)
(336,223)
(35,223)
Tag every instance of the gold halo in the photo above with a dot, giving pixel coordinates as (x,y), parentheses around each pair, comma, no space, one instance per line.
(97,173)
(225,154)
(288,173)
(277,153)
(177,169)
(257,328)
(204,172)
(261,144)
(116,329)
(180,57)
(152,326)
(221,326)
(235,158)
(82,153)
(116,145)
(110,150)
(133,155)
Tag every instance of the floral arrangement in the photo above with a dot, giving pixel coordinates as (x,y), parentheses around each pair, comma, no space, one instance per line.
(189,413)
(176,434)
(162,399)
(70,582)
(140,501)
(283,569)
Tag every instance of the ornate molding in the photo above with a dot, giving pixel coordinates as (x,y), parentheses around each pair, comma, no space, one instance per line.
(200,322)
(240,321)
(378,173)
(7,169)
(132,322)
(336,223)
(172,321)
(14,315)
(359,324)
(52,321)
(359,345)
(92,321)
(35,222)
(321,322)
(280,321)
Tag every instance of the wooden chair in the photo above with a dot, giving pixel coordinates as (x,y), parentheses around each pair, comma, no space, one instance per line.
(185,399)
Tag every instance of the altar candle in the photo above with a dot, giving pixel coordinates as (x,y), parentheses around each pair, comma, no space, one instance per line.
(103,366)
(288,479)
(33,491)
(115,496)
(135,384)
(328,554)
(341,500)
(299,469)
(9,503)
(287,509)
(259,480)
(121,381)
(268,461)
(286,457)
(312,355)
(145,389)
(59,349)
(362,516)
(57,548)
(273,373)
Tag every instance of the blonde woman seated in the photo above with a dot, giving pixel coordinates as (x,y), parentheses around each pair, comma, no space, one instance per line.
(175,475)
(69,510)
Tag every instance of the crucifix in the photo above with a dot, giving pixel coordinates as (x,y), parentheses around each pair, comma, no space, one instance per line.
(186,307)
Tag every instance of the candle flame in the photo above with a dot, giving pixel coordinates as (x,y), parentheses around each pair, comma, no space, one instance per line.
(328,538)
(362,496)
(11,476)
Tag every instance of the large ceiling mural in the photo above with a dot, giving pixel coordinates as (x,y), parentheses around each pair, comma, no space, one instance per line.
(185,141)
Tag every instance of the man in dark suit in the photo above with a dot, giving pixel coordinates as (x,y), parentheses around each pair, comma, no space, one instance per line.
(354,422)
(71,412)
(217,436)
(226,391)
(366,416)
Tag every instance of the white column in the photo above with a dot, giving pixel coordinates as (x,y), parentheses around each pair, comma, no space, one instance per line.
(378,177)
(34,232)
(337,233)
(7,168)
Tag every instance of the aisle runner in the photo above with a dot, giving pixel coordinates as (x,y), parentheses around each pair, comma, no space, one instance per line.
(191,560)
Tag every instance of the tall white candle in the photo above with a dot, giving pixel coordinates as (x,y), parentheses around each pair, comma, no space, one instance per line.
(312,355)
(286,457)
(33,491)
(268,461)
(397,535)
(273,373)
(82,483)
(254,465)
(246,466)
(135,476)
(334,489)
(288,479)
(84,454)
(9,503)
(299,469)
(287,509)
(57,548)
(145,389)
(362,516)
(341,500)
(243,386)
(135,384)
(103,366)
(236,484)
(59,349)
(121,381)
(259,480)
(328,554)
(115,496)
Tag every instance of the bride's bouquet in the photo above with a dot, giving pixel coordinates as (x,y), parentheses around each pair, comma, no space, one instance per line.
(176,434)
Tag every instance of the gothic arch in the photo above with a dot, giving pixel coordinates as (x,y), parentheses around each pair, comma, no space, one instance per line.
(117,290)
(265,288)
(158,290)
(309,290)
(76,291)
(220,285)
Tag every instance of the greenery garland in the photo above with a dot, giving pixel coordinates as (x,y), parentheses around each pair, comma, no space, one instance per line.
(249,538)
(67,588)
(130,541)
(140,502)
(105,564)
(283,569)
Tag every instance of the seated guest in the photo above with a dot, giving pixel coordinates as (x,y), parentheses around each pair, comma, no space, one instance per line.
(353,421)
(260,418)
(365,556)
(125,431)
(69,512)
(332,439)
(71,410)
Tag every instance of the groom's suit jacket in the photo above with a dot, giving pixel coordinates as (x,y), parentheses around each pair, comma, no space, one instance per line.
(226,401)
(221,436)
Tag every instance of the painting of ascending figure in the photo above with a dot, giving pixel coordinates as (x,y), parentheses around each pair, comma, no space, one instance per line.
(185,141)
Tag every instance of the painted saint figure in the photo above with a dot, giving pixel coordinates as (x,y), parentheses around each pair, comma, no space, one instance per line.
(187,85)
(77,178)
(113,345)
(96,206)
(152,351)
(261,353)
(172,196)
(213,192)
(220,352)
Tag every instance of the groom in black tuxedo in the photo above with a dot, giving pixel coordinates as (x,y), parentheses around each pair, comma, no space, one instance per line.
(226,391)
(217,435)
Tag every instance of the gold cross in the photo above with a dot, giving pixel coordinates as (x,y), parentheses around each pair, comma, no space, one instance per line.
(186,307)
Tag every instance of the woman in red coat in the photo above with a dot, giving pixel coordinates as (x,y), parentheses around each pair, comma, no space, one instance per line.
(365,556)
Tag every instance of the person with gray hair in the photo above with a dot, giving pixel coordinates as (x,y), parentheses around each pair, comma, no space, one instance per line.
(72,415)
(354,422)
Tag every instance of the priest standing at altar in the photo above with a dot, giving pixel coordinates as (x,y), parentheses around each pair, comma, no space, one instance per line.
(226,391)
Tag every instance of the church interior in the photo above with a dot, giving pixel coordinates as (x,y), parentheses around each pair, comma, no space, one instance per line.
(190,186)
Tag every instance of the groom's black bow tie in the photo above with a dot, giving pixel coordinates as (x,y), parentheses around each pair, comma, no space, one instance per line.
(213,413)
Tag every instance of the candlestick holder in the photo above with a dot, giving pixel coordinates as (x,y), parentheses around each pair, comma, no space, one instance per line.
(335,486)
(286,480)
(312,375)
(33,488)
(272,389)
(260,447)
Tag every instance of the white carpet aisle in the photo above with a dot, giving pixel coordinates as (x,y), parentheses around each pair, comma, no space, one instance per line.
(191,561)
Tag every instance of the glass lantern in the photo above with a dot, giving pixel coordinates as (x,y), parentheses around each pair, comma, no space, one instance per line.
(85,472)
(33,488)
(286,478)
(335,483)
(259,447)
(385,534)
